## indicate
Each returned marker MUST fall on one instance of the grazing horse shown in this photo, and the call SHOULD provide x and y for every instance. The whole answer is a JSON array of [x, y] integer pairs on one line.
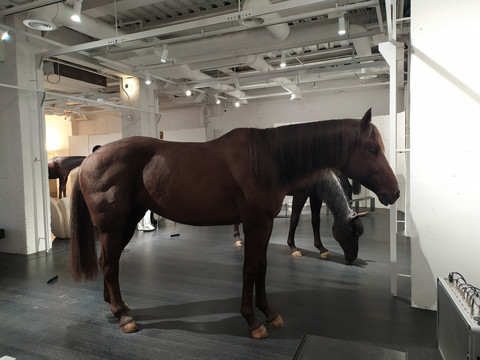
[[334, 189], [59, 167], [242, 176]]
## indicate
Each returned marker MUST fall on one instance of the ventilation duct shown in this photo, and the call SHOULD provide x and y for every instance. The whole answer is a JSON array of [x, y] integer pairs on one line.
[[279, 31]]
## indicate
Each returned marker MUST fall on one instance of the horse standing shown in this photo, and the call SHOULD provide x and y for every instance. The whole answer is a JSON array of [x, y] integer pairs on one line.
[[242, 176], [59, 167]]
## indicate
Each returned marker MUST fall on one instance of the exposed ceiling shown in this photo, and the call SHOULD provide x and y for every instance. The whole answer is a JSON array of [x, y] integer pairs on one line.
[[226, 49]]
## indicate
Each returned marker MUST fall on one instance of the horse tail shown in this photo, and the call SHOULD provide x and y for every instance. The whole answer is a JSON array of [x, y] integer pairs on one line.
[[83, 257]]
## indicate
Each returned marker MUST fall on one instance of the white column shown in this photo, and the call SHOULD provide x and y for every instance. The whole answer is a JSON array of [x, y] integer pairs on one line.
[[23, 210], [141, 117]]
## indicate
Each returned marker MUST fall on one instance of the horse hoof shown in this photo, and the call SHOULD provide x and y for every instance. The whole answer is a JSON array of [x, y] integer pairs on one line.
[[296, 253], [277, 322], [260, 333], [238, 243], [128, 324], [325, 255]]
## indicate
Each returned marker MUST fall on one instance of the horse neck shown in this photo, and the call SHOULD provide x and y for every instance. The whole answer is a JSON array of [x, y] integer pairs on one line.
[[332, 193]]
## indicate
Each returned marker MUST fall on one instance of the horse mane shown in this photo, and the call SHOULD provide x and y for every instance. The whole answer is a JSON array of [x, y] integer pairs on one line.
[[281, 155], [330, 190]]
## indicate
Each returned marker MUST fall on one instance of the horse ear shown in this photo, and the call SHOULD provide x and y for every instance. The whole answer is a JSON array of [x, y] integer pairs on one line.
[[359, 215], [366, 120]]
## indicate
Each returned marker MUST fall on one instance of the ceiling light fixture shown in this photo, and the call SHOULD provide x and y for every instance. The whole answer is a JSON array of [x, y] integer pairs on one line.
[[163, 59], [283, 61], [237, 103], [5, 36], [148, 81], [77, 9], [188, 92], [341, 25], [217, 100]]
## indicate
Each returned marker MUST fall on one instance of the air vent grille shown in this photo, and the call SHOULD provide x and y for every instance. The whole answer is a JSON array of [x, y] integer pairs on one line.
[[39, 25], [253, 21]]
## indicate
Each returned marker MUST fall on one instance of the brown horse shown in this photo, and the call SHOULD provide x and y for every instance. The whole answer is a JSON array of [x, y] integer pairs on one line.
[[59, 167], [242, 176]]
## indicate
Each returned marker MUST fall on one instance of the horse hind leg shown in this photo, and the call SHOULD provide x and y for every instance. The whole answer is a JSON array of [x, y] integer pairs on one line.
[[112, 247]]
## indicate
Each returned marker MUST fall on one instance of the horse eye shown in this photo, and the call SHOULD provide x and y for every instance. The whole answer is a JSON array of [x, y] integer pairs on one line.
[[374, 151]]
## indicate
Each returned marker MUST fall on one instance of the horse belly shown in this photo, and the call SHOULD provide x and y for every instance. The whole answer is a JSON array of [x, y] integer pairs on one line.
[[194, 208], [199, 194]]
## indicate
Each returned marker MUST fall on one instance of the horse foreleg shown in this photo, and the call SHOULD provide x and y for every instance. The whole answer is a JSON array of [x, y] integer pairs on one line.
[[273, 318], [62, 186], [297, 205], [254, 271], [315, 207]]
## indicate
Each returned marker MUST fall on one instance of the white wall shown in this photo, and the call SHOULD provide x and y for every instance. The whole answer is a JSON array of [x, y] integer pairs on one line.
[[445, 123], [276, 111], [320, 106], [82, 145], [58, 129]]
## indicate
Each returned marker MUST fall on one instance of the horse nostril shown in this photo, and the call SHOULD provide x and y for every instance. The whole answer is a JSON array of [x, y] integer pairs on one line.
[[397, 194]]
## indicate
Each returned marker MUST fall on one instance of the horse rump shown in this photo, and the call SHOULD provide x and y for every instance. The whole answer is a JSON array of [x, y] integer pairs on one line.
[[83, 255]]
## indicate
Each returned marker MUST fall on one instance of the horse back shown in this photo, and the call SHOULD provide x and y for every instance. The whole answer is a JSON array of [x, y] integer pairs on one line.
[[180, 181]]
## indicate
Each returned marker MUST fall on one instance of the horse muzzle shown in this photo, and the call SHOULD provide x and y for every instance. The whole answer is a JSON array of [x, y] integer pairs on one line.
[[350, 259], [389, 199]]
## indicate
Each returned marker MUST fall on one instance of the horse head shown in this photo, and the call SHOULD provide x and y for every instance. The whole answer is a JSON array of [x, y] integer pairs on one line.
[[368, 164], [347, 235]]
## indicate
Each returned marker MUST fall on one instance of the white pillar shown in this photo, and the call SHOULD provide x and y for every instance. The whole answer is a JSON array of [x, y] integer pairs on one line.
[[135, 94], [23, 210]]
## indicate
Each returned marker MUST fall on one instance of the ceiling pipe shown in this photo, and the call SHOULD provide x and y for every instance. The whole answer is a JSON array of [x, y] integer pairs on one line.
[[59, 14], [279, 31], [193, 73], [258, 40], [184, 72]]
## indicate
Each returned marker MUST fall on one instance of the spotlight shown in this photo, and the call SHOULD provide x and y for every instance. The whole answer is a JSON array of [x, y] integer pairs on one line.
[[237, 103], [283, 61], [188, 92], [341, 25], [164, 54], [77, 9], [217, 100], [5, 36], [148, 81]]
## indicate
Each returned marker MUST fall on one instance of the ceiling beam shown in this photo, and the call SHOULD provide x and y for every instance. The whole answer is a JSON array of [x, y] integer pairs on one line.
[[202, 23]]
